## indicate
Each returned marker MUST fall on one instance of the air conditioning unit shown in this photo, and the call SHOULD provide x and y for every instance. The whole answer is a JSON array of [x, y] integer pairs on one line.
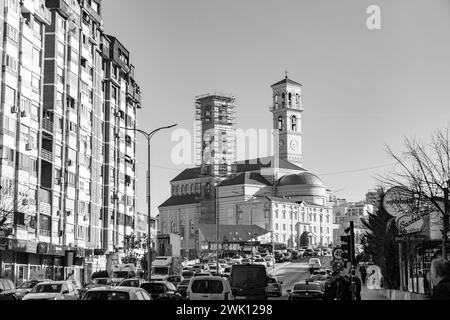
[[69, 163], [25, 202], [68, 212], [28, 147], [86, 218], [60, 181], [60, 233], [23, 114], [58, 213], [14, 109], [116, 114]]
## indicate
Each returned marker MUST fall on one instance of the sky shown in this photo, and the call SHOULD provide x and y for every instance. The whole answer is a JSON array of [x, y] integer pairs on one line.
[[362, 89]]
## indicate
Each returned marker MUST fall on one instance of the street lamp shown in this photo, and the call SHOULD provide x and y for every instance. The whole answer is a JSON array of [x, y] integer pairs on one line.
[[148, 136]]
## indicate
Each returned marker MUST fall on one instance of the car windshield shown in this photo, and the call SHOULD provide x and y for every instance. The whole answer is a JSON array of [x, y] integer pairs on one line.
[[307, 287], [130, 283], [106, 295], [207, 286], [153, 287], [187, 273], [27, 285], [47, 288], [100, 281]]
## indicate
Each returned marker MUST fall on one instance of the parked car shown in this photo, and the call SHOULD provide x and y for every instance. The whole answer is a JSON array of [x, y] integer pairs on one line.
[[117, 293], [274, 287], [260, 261], [306, 290], [161, 290], [295, 254], [246, 260], [288, 256], [226, 271], [7, 290], [301, 252], [54, 290], [209, 288], [25, 288], [310, 253], [175, 279], [279, 257], [132, 282], [249, 281], [270, 261], [314, 264], [182, 288], [236, 259]]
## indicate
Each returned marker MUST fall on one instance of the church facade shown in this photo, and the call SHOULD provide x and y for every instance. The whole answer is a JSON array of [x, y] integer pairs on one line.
[[275, 194]]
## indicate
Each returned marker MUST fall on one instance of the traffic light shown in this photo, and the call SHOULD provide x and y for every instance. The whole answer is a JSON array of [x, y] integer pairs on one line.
[[348, 244]]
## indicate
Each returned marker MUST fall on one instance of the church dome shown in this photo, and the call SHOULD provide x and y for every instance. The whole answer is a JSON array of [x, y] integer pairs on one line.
[[304, 178]]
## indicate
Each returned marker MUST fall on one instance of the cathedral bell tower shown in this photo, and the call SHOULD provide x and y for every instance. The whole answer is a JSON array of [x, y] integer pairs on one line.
[[287, 120]]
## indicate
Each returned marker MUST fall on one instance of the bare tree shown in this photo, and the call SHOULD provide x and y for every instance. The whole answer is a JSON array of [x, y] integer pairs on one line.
[[13, 207], [424, 170]]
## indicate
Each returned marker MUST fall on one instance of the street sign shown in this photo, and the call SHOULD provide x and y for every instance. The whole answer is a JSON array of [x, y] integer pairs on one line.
[[399, 201], [337, 253], [338, 266]]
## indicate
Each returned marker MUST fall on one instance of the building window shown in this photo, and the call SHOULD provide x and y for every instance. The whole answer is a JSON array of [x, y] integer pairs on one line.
[[192, 232], [284, 227], [290, 99], [283, 99], [294, 123], [276, 226], [280, 123], [284, 214], [315, 229], [182, 229], [276, 214], [297, 100], [327, 218]]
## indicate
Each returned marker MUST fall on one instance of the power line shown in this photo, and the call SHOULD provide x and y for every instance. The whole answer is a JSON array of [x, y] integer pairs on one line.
[[355, 170]]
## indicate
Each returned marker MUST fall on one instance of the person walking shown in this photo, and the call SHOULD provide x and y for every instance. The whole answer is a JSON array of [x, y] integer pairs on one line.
[[440, 278], [363, 272], [356, 282], [343, 288], [331, 287]]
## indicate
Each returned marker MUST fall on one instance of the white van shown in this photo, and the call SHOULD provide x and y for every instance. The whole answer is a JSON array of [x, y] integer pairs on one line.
[[209, 288]]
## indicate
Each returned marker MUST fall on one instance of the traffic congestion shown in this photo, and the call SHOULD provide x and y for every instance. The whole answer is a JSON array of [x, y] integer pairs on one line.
[[288, 274]]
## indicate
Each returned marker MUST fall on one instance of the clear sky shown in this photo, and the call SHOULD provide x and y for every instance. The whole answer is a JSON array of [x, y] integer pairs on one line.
[[362, 89]]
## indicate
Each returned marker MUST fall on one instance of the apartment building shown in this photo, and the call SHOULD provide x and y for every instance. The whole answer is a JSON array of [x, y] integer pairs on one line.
[[69, 102]]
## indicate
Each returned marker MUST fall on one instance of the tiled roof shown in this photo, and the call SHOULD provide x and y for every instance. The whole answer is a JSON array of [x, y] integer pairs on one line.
[[287, 81], [231, 233], [188, 174], [246, 178], [241, 166], [180, 200]]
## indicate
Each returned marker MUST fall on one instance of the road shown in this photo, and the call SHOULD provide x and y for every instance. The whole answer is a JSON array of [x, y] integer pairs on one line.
[[291, 272]]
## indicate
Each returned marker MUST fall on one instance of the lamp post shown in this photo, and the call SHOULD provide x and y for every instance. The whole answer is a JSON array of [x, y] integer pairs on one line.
[[148, 136]]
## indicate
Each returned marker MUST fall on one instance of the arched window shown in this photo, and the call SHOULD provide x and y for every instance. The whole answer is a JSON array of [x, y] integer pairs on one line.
[[208, 189], [283, 99], [182, 189], [178, 190], [173, 190], [192, 188], [290, 99], [173, 227], [294, 123], [182, 229], [280, 123], [297, 100], [163, 227], [275, 101], [192, 230]]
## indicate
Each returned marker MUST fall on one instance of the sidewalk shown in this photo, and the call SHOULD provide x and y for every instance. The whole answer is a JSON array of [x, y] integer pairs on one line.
[[367, 294]]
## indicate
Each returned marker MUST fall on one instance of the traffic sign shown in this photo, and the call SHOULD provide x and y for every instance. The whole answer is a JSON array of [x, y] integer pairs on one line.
[[337, 253], [338, 266]]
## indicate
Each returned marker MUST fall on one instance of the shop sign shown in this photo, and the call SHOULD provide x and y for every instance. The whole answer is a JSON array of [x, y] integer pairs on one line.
[[408, 224], [51, 249], [5, 244], [42, 248], [99, 252], [399, 201], [23, 246], [31, 247], [59, 250], [22, 234]]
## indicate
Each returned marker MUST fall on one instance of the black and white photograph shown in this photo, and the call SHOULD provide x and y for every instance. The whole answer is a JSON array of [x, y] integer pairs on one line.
[[247, 152]]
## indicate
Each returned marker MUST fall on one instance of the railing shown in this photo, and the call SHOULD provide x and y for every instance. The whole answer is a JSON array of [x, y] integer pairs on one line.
[[47, 125], [47, 155], [45, 233]]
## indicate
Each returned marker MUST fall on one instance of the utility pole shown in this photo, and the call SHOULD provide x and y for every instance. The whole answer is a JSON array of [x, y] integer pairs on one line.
[[445, 222]]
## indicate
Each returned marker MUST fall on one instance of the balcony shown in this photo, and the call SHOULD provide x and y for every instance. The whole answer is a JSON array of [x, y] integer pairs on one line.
[[47, 155], [47, 125], [45, 233]]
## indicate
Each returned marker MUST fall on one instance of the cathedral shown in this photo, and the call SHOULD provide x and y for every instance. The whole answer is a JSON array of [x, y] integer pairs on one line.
[[270, 200]]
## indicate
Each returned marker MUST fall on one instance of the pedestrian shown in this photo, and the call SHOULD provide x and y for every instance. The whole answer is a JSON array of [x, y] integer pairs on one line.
[[363, 272], [440, 278], [331, 287], [343, 288], [356, 282]]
